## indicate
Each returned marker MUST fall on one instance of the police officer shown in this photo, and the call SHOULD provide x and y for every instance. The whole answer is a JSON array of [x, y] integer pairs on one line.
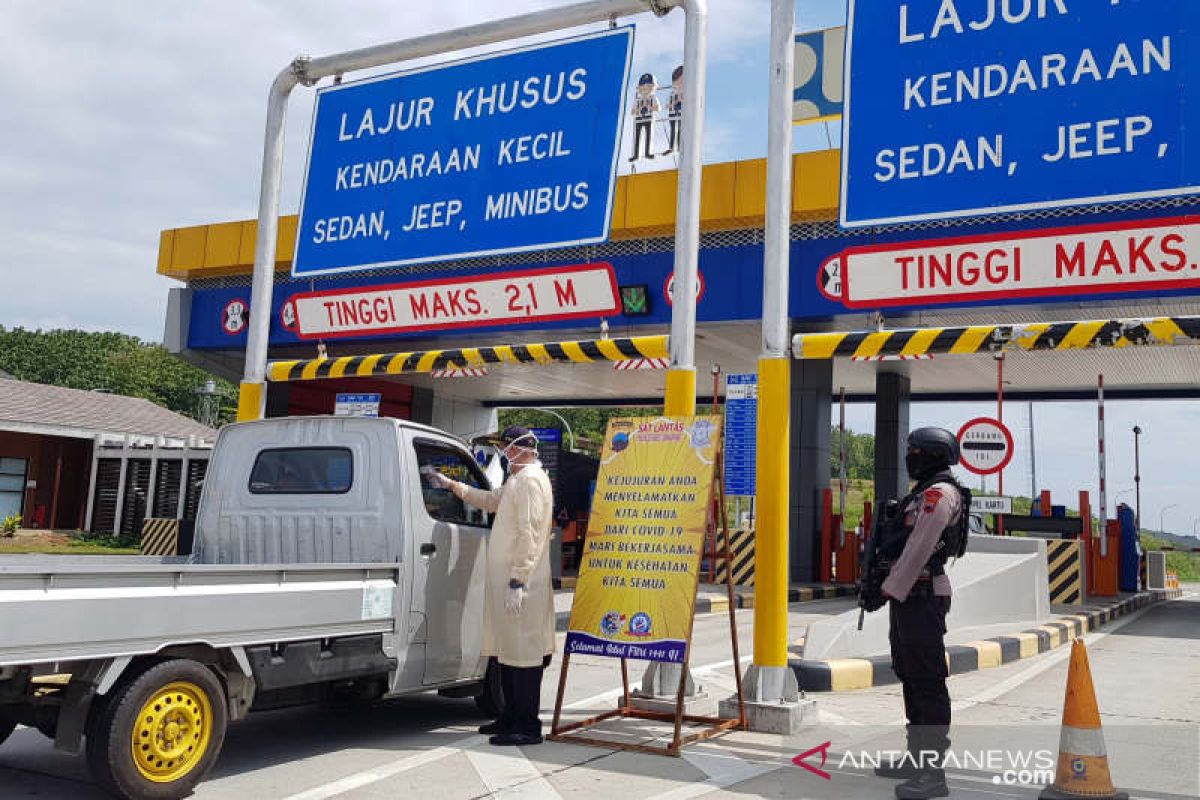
[[918, 592]]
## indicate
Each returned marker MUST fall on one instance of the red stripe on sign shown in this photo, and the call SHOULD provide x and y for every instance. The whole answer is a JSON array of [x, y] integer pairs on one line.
[[1133, 256], [546, 294]]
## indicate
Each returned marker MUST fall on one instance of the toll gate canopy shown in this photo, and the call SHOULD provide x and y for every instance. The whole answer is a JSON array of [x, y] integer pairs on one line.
[[1124, 261]]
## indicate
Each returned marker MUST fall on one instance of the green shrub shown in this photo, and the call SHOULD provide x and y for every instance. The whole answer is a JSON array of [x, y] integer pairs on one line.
[[106, 540]]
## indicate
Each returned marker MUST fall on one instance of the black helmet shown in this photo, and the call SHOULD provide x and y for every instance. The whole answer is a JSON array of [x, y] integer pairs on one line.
[[931, 450], [936, 440]]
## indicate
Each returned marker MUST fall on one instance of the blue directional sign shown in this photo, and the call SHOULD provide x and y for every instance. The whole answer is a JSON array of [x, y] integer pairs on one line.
[[496, 154], [964, 108], [741, 434]]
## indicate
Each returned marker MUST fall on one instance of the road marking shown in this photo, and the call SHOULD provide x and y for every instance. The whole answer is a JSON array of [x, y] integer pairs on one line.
[[381, 773], [507, 773], [722, 770], [833, 718]]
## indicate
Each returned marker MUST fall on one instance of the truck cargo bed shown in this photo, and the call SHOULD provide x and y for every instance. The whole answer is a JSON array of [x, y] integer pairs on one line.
[[68, 609]]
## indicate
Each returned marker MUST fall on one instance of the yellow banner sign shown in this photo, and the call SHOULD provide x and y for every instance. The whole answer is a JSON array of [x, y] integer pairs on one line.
[[637, 583]]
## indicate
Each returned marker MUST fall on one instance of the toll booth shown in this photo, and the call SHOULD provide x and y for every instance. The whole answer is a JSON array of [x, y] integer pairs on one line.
[[882, 343]]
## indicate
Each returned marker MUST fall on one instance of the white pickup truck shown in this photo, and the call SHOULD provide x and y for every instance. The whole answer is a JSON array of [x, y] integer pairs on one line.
[[325, 567]]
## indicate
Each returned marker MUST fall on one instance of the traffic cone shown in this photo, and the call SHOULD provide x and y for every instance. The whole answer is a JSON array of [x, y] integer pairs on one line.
[[1082, 759]]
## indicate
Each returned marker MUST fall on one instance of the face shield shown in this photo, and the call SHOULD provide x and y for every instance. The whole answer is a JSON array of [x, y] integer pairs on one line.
[[514, 449]]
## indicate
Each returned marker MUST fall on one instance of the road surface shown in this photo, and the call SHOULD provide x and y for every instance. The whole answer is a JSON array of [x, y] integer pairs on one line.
[[1145, 666]]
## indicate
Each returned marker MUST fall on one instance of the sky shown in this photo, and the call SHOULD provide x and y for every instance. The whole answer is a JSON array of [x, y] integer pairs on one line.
[[123, 118]]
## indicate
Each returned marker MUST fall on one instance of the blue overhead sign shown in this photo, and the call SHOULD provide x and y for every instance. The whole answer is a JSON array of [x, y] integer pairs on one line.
[[741, 434], [981, 106], [499, 153]]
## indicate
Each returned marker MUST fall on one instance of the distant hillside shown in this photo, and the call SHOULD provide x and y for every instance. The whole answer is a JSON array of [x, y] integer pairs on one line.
[[1180, 542]]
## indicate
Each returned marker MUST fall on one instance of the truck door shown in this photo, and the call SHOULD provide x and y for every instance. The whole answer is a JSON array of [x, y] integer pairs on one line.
[[450, 560]]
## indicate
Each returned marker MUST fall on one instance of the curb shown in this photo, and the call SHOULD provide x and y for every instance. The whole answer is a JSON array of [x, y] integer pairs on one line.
[[845, 674], [707, 604]]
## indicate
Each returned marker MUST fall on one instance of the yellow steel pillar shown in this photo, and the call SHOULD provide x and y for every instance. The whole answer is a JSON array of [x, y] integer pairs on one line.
[[250, 401], [681, 392], [771, 532], [771, 685]]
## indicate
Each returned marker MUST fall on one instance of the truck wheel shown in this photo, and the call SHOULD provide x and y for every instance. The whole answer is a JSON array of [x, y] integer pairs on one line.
[[7, 726], [491, 700], [156, 736]]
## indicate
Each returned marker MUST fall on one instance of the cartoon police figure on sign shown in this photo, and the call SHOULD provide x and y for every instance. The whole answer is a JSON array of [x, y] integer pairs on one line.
[[674, 110], [645, 106]]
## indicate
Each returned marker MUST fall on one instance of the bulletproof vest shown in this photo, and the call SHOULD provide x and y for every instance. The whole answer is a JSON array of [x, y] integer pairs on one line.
[[894, 532]]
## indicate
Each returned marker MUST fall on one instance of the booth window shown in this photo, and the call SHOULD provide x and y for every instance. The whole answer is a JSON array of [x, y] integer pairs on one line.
[[441, 504], [302, 470]]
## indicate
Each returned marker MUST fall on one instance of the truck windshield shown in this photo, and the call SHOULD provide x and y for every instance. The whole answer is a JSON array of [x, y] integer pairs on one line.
[[302, 470]]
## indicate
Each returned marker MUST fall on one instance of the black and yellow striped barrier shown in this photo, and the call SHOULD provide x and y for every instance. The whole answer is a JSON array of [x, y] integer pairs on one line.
[[911, 342], [160, 537], [574, 352], [1064, 561], [741, 544]]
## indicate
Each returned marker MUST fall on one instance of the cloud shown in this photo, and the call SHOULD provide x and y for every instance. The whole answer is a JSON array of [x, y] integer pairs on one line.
[[122, 119]]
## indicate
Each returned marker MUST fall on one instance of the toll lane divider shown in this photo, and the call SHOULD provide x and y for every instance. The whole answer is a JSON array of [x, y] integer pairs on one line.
[[584, 351], [160, 537], [716, 602], [1064, 559], [741, 544], [845, 674], [1057, 336]]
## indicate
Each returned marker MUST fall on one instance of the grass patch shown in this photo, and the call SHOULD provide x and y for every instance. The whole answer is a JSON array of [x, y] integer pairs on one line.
[[57, 543], [1186, 565]]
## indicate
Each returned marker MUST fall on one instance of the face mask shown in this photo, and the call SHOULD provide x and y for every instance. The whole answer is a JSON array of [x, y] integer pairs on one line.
[[921, 465]]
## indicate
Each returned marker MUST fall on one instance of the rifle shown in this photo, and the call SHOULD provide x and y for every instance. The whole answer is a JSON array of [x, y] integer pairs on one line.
[[874, 568]]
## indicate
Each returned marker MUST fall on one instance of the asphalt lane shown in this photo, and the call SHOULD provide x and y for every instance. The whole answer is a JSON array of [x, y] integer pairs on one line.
[[1145, 667]]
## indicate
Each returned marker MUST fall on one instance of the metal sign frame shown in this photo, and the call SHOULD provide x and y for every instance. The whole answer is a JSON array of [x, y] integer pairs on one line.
[[681, 380], [710, 726]]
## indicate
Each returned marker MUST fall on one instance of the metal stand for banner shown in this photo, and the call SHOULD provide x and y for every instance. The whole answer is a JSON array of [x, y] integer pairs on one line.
[[714, 725]]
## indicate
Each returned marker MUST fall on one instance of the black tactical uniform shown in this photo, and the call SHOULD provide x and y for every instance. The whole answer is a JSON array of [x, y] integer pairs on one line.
[[918, 593]]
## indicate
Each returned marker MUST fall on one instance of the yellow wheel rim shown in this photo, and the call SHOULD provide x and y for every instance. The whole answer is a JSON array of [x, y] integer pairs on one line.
[[171, 734]]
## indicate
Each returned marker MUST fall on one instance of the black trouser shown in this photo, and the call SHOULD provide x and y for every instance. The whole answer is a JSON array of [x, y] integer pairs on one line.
[[673, 131], [918, 628], [639, 128], [522, 687]]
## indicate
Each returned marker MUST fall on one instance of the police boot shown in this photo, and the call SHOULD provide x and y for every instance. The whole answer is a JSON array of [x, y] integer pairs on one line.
[[925, 784]]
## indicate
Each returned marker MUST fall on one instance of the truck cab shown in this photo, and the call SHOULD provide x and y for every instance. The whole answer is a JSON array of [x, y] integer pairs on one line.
[[350, 490]]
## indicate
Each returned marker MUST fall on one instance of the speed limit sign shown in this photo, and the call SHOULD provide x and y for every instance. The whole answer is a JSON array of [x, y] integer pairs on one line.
[[985, 445]]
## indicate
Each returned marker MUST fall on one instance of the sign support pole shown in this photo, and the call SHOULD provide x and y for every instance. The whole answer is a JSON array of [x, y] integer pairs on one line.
[[770, 679], [1102, 496], [680, 399], [843, 483], [306, 70], [1000, 419]]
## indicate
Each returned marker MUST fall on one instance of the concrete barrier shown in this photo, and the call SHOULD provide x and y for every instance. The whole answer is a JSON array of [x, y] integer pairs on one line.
[[1000, 585]]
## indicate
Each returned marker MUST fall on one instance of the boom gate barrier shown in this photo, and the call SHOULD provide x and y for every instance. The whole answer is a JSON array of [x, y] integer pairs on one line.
[[424, 361]]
